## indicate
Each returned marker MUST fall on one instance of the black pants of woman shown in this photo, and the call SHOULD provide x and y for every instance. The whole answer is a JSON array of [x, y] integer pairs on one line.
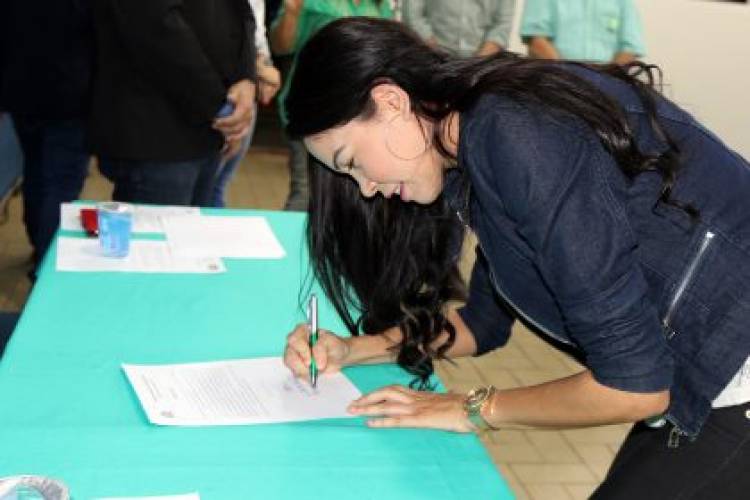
[[715, 466]]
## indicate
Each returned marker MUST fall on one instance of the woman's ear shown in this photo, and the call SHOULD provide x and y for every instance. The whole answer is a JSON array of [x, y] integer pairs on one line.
[[390, 99]]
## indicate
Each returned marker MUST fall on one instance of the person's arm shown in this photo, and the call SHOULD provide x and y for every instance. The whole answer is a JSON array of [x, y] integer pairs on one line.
[[261, 35], [481, 325], [269, 78], [575, 401], [284, 29], [415, 16], [630, 45], [542, 48], [538, 29], [242, 90], [497, 35], [585, 252], [624, 57], [333, 352]]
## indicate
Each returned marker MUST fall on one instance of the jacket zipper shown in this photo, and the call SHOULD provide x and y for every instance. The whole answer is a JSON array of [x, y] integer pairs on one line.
[[686, 279], [673, 440]]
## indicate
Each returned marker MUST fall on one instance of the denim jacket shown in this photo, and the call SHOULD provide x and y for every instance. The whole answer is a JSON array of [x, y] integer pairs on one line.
[[652, 299]]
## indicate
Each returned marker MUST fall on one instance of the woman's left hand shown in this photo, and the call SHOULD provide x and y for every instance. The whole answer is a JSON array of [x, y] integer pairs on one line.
[[398, 406]]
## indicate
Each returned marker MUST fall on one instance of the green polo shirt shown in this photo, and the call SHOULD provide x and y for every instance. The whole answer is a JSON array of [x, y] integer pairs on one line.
[[585, 30], [317, 13]]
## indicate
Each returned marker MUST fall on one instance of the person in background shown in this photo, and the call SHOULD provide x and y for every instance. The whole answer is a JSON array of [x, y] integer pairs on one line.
[[269, 82], [46, 61], [467, 28], [607, 218], [175, 89], [297, 21], [603, 31]]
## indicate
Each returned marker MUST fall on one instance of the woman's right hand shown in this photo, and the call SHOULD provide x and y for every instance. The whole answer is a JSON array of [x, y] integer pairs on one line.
[[331, 351]]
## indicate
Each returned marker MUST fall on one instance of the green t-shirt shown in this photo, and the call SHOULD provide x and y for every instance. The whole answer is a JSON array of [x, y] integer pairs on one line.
[[317, 13]]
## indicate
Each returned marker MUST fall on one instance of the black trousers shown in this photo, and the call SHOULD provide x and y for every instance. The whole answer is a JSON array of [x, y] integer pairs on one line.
[[189, 183], [716, 466], [55, 167]]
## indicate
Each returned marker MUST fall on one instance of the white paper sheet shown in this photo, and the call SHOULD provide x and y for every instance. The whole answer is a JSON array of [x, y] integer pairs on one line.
[[187, 496], [146, 219], [145, 256], [222, 236], [237, 392]]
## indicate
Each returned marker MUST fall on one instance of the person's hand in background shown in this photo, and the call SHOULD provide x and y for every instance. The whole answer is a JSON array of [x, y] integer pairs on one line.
[[237, 125], [269, 80]]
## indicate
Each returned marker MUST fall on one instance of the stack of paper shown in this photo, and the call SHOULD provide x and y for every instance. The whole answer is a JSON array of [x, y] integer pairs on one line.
[[221, 236], [145, 256], [194, 243]]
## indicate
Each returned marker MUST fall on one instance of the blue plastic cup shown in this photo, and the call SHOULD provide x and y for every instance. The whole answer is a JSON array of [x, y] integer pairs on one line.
[[115, 228]]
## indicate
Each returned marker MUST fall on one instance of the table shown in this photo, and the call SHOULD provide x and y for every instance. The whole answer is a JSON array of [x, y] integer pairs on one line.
[[67, 411]]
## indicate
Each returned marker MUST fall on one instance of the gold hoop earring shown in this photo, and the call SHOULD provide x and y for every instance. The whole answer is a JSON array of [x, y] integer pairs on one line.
[[390, 148]]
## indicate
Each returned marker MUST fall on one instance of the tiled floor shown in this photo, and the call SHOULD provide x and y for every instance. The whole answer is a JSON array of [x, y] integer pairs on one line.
[[539, 465]]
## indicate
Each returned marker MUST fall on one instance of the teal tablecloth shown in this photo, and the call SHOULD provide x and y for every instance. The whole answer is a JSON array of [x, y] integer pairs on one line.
[[67, 411]]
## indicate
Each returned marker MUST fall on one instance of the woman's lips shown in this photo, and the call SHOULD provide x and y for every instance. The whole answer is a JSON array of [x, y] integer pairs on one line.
[[402, 192]]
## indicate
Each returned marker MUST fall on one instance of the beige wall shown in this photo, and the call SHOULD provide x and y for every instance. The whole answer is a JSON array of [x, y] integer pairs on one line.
[[703, 47]]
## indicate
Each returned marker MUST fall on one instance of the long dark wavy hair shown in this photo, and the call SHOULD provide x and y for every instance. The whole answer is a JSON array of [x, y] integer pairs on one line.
[[388, 263]]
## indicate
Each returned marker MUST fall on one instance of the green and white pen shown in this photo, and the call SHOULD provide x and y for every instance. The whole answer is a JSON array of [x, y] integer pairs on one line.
[[312, 319]]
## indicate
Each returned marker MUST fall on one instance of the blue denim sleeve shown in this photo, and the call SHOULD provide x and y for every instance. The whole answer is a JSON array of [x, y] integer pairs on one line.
[[486, 316], [558, 191]]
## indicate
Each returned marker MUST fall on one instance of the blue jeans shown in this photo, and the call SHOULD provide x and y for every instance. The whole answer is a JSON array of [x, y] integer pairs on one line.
[[189, 182], [226, 170], [55, 166]]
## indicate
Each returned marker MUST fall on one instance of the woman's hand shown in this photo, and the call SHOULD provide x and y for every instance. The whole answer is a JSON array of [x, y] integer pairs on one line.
[[331, 352], [398, 406]]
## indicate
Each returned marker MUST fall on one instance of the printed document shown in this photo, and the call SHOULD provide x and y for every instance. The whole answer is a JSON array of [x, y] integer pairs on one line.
[[146, 218], [222, 236], [237, 392], [145, 256]]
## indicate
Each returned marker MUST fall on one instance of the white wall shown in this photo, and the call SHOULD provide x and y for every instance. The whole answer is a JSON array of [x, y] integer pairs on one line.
[[704, 50], [703, 47]]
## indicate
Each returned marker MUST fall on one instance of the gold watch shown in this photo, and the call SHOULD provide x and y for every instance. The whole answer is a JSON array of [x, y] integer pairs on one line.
[[475, 402]]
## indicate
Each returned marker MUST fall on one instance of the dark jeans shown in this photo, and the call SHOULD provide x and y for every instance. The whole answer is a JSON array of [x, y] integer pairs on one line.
[[55, 167], [714, 466], [188, 182]]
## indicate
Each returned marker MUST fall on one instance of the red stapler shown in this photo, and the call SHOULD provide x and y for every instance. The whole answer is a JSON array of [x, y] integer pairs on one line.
[[90, 221]]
